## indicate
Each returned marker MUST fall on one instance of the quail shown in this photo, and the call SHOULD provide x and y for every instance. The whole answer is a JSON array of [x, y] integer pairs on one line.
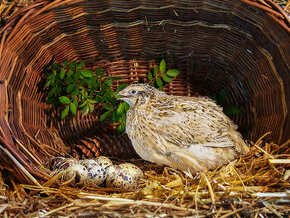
[[191, 134]]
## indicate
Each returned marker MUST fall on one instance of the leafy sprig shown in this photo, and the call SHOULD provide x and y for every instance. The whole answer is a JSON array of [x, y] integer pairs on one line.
[[77, 88], [74, 88], [228, 109], [160, 75]]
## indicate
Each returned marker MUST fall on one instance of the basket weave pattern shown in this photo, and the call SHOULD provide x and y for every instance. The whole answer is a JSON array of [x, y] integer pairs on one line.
[[241, 46]]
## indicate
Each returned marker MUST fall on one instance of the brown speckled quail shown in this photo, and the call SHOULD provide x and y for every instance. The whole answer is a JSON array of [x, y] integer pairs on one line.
[[187, 133]]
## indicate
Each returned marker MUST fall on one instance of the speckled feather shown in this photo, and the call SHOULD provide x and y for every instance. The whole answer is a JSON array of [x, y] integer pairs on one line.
[[188, 133]]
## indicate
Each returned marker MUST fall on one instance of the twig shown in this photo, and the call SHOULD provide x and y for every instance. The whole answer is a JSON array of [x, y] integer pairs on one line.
[[272, 209], [232, 213], [38, 144], [57, 209], [269, 155], [137, 202], [28, 152], [4, 206], [21, 167], [210, 190], [233, 207], [279, 161], [271, 194]]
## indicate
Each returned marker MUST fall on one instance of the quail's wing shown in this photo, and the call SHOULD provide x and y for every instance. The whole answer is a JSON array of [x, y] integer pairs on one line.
[[186, 121]]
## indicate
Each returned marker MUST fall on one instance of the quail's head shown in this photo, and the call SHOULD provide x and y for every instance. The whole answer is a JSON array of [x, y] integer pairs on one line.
[[137, 92]]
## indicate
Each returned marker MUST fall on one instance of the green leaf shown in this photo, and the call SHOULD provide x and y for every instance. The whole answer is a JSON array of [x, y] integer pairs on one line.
[[75, 92], [222, 96], [69, 73], [72, 65], [166, 78], [92, 82], [91, 107], [149, 76], [122, 128], [108, 107], [152, 83], [98, 71], [231, 110], [47, 84], [159, 83], [108, 81], [108, 92], [121, 87], [126, 106], [65, 112], [214, 97], [80, 64], [87, 73], [85, 110], [100, 99], [73, 108], [76, 102], [70, 88], [64, 100], [155, 70], [51, 76], [162, 66], [92, 101], [111, 100], [173, 72], [114, 117], [62, 74], [50, 101], [54, 90], [65, 63], [104, 116], [54, 66], [83, 81], [101, 76], [77, 75], [68, 80], [84, 103], [121, 109]]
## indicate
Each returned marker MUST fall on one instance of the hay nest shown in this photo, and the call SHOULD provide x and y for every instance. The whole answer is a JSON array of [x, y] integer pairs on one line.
[[241, 46], [257, 184]]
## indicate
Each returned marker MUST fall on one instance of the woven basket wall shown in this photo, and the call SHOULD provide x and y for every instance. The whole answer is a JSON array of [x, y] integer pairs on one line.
[[241, 46]]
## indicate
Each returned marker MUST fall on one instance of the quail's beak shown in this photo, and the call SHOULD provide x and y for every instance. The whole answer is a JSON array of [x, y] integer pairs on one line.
[[126, 96], [123, 94]]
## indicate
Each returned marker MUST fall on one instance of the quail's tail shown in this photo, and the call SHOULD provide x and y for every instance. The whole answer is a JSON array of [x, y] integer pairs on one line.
[[240, 145]]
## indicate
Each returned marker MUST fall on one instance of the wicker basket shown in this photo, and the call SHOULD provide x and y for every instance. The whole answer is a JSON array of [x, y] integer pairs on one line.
[[241, 46]]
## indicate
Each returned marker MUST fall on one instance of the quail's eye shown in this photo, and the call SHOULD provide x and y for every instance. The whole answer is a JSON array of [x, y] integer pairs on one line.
[[134, 92]]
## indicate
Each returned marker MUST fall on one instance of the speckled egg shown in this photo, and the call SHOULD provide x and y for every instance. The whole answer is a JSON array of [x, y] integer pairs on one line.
[[123, 176], [104, 161], [77, 173], [87, 163], [61, 163], [96, 174]]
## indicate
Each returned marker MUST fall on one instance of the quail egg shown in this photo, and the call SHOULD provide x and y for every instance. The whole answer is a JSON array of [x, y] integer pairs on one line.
[[75, 174], [88, 163], [96, 174], [104, 161], [61, 163], [125, 176]]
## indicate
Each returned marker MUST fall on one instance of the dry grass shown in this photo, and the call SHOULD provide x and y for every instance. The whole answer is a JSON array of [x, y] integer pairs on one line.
[[7, 8], [256, 184]]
